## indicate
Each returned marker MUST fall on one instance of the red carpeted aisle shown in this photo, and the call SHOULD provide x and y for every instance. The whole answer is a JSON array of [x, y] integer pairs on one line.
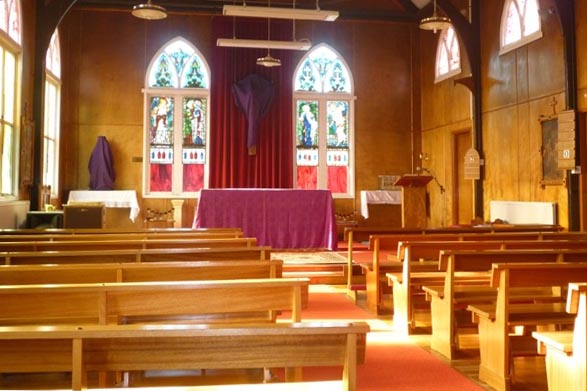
[[392, 362]]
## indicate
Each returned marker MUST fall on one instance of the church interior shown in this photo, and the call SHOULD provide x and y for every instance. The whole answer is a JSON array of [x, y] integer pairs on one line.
[[378, 179]]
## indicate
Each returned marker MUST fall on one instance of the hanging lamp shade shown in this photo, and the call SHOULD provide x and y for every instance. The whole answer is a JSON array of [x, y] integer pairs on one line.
[[149, 11], [268, 61], [435, 22]]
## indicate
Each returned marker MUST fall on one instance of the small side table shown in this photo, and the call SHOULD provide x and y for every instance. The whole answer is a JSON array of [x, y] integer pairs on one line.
[[43, 219]]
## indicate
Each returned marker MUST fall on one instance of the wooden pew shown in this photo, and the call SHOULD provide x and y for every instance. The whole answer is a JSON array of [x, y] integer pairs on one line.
[[375, 273], [566, 351], [246, 300], [407, 292], [376, 280], [496, 320], [353, 235], [143, 271], [375, 276], [137, 272], [466, 280], [83, 349], [85, 235], [147, 255], [124, 243]]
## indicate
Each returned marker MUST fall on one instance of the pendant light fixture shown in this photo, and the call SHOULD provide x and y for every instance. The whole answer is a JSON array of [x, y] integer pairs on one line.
[[435, 22], [149, 11], [268, 61]]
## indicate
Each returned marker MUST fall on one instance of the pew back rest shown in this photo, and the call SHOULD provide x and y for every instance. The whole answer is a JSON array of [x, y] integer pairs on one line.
[[391, 242], [103, 303], [576, 290], [135, 272], [136, 255], [115, 234], [124, 243], [472, 260], [430, 250], [539, 274]]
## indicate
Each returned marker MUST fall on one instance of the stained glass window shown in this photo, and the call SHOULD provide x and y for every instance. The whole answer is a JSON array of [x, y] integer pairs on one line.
[[51, 128], [177, 89], [323, 131], [448, 55], [9, 98], [323, 71], [520, 24]]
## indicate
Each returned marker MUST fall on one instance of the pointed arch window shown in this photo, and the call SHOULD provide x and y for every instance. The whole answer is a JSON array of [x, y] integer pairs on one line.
[[176, 122], [324, 123], [52, 125], [448, 55], [520, 24], [10, 19], [10, 79]]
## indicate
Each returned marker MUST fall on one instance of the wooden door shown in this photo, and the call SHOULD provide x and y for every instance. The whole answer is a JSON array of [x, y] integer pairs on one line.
[[463, 202]]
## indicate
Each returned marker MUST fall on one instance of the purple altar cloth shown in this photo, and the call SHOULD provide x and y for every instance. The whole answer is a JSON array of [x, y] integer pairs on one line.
[[280, 218]]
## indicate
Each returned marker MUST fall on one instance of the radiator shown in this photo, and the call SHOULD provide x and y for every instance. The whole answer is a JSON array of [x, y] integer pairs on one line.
[[523, 212]]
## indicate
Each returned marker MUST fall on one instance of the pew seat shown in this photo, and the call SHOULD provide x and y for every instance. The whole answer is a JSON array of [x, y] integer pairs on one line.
[[448, 304], [498, 345], [566, 351]]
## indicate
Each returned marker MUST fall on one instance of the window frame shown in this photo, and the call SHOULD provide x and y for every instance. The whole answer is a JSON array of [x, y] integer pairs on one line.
[[178, 93], [524, 39], [323, 98], [52, 79], [441, 45], [12, 45]]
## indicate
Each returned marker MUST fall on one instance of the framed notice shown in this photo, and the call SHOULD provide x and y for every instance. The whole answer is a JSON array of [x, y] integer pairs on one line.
[[551, 174]]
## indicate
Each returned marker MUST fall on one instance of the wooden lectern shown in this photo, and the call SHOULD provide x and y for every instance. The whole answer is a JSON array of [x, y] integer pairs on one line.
[[413, 199]]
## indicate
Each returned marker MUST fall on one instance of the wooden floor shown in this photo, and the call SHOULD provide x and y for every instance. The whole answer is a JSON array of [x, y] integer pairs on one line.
[[529, 372]]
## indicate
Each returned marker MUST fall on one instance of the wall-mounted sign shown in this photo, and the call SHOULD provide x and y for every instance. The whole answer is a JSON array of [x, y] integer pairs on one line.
[[472, 164], [566, 140]]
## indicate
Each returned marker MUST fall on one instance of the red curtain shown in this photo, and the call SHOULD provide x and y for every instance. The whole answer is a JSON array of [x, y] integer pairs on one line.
[[230, 162]]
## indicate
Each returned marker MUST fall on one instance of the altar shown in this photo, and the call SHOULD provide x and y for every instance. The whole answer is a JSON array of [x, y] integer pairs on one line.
[[280, 218]]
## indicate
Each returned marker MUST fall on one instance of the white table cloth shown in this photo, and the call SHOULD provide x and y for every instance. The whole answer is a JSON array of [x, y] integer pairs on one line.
[[392, 197], [110, 199]]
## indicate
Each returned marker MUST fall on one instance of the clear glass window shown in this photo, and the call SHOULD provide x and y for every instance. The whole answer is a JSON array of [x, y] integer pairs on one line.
[[51, 128], [520, 24], [448, 55], [10, 51]]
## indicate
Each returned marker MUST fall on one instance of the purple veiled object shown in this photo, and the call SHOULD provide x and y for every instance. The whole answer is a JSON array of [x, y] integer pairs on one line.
[[253, 96], [101, 166]]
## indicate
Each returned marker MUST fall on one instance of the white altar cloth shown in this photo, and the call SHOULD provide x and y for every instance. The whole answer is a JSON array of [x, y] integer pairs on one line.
[[392, 197], [110, 199]]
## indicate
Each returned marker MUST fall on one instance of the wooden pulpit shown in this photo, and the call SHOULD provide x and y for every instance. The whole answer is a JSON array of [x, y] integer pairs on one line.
[[413, 199]]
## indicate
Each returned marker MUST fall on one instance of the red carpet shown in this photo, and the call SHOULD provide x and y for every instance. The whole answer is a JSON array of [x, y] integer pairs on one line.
[[392, 362]]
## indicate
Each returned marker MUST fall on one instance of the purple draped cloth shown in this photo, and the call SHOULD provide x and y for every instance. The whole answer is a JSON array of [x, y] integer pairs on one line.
[[253, 96], [101, 166]]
